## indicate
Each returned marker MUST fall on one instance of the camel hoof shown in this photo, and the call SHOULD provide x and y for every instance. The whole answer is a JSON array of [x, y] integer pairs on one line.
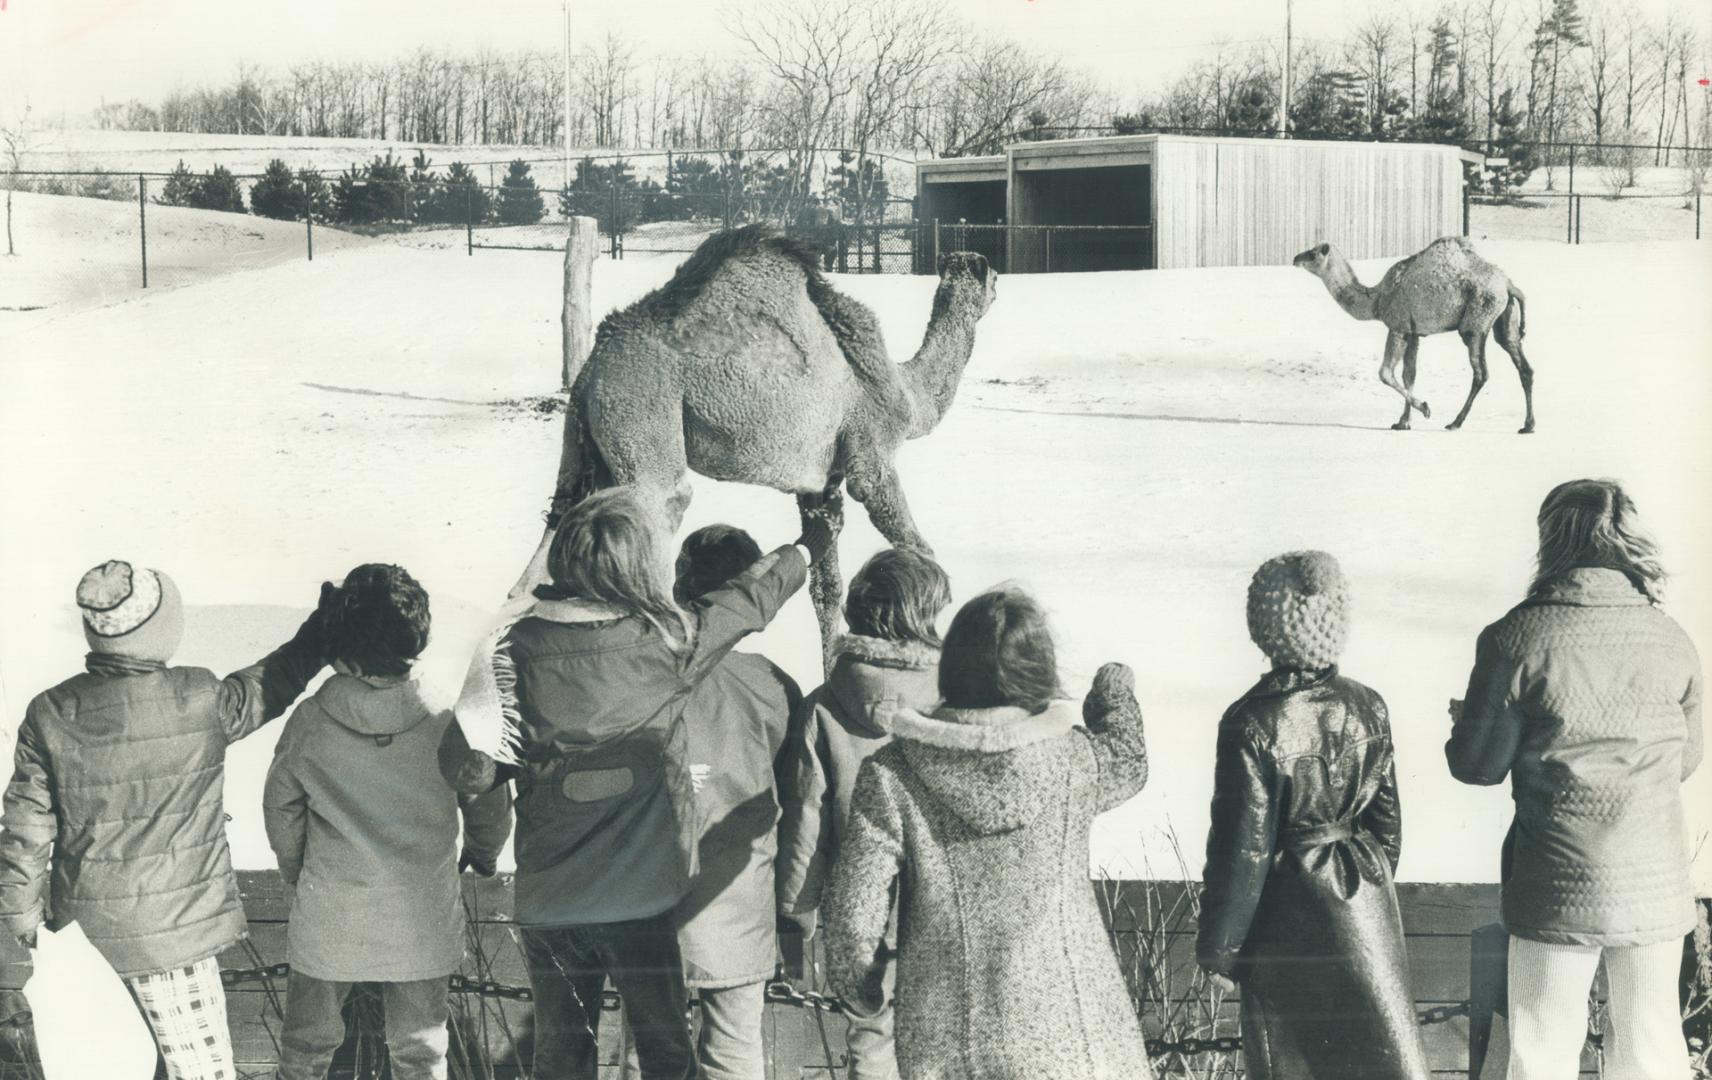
[[1528, 430], [1401, 425], [1425, 411], [1453, 425]]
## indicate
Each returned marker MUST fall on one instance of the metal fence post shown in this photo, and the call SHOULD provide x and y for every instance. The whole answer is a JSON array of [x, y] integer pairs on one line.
[[1696, 213], [935, 268], [1572, 168], [1048, 250], [1465, 204], [143, 223], [309, 221], [1578, 219], [1569, 219], [616, 223], [469, 219]]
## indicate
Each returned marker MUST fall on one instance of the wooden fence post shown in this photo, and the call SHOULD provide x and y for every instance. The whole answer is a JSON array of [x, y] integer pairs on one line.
[[577, 318], [309, 220]]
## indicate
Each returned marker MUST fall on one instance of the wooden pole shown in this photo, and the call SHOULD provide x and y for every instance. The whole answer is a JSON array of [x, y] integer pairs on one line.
[[1284, 91], [469, 219], [143, 223], [309, 220], [577, 318]]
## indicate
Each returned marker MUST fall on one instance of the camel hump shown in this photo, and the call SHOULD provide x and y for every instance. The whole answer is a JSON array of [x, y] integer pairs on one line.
[[697, 274]]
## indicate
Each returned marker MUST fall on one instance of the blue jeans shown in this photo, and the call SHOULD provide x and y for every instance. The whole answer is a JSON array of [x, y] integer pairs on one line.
[[568, 966], [416, 1035]]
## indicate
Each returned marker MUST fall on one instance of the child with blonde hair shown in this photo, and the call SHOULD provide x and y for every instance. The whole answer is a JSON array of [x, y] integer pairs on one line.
[[580, 697]]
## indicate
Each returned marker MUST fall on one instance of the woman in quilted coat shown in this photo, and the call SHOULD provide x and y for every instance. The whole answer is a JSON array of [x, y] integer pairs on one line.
[[1588, 697], [980, 814], [1298, 904]]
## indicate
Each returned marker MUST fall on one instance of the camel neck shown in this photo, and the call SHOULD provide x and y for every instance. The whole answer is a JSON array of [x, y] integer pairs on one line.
[[933, 373], [1354, 297]]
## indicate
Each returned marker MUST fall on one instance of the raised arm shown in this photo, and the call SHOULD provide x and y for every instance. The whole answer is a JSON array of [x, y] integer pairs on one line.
[[29, 827], [1239, 847], [1486, 735], [249, 698], [858, 903], [1113, 719], [747, 604]]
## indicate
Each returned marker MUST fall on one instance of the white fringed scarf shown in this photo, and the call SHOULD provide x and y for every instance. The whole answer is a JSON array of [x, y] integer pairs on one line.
[[487, 708]]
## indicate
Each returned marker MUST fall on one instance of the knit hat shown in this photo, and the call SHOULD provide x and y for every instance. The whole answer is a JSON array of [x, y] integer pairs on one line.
[[131, 611], [1298, 610]]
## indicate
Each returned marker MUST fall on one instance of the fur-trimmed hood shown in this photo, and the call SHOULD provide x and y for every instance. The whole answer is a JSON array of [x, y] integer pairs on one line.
[[870, 675], [994, 769]]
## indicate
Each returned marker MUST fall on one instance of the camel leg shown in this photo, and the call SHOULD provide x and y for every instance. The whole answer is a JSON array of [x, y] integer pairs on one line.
[[878, 490], [825, 585], [1508, 331], [1411, 350], [1476, 342], [1397, 348]]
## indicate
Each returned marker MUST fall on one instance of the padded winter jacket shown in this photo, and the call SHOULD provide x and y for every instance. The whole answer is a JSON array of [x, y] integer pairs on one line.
[[1588, 698], [118, 783], [981, 817], [735, 723], [1298, 902], [832, 735], [366, 828], [606, 818]]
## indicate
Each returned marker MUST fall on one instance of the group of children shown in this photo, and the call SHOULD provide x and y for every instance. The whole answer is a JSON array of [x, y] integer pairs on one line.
[[925, 813]]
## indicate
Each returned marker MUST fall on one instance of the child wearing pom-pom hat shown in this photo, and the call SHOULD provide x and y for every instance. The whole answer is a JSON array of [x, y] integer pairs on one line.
[[116, 798], [1298, 905]]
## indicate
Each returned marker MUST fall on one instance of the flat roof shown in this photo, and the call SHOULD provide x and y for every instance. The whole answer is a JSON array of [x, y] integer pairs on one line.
[[963, 170]]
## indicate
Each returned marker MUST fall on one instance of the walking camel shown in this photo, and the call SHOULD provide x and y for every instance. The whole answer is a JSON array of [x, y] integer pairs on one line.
[[747, 365], [1445, 286]]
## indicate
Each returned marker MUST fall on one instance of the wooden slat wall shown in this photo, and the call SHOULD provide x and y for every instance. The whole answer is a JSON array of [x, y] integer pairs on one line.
[[1253, 202], [1438, 921]]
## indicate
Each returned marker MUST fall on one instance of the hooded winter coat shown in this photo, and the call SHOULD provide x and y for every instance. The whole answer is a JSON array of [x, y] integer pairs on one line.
[[735, 721], [1588, 698], [1298, 901], [120, 773], [1004, 966], [606, 820], [834, 732], [366, 828]]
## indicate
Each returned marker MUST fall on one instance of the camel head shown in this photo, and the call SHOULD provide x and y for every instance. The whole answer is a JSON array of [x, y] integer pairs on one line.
[[1316, 260], [964, 276]]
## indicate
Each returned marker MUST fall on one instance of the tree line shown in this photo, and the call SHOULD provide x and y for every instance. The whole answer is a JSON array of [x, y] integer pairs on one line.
[[908, 76]]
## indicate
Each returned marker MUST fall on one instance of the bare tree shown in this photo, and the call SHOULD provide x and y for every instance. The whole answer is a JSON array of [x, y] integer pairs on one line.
[[1373, 48], [810, 50], [901, 43], [15, 141]]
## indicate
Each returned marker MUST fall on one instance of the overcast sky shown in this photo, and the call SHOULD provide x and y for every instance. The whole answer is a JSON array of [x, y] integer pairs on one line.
[[71, 54]]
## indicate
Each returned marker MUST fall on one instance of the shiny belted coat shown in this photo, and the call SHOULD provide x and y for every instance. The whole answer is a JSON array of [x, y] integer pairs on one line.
[[1298, 903]]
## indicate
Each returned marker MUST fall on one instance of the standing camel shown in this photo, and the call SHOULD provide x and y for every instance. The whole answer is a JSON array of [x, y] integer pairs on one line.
[[1445, 286], [747, 365]]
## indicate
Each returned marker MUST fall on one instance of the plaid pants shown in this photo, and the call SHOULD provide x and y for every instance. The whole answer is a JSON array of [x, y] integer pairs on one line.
[[186, 1009]]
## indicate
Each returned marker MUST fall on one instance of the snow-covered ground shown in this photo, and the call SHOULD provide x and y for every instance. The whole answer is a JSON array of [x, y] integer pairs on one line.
[[1129, 445]]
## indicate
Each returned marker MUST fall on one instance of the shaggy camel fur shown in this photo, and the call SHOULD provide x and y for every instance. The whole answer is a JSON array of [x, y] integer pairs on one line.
[[747, 365], [1445, 286]]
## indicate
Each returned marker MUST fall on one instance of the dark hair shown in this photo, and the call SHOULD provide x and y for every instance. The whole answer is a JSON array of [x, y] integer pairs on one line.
[[1593, 523], [378, 622], [896, 596], [710, 557], [999, 651]]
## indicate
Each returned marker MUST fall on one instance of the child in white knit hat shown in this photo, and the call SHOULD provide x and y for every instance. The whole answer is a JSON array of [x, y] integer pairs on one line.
[[1298, 904], [116, 797]]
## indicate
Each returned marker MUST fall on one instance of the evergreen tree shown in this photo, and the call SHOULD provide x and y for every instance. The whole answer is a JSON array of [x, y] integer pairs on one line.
[[1251, 109], [1131, 123], [1329, 104], [1513, 144], [218, 190], [389, 189], [312, 187], [519, 201], [179, 187], [351, 205], [425, 204], [276, 194], [461, 197]]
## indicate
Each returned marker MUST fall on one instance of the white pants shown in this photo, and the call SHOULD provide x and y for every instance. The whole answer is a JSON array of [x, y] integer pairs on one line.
[[1549, 985]]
